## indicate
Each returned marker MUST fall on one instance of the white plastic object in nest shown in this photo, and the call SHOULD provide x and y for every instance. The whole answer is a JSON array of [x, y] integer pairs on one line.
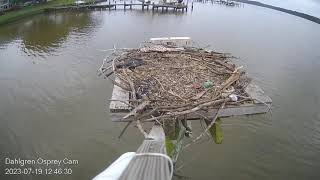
[[175, 41], [233, 97], [228, 91]]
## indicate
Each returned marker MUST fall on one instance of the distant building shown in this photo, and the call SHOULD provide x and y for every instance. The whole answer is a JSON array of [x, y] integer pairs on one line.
[[4, 4]]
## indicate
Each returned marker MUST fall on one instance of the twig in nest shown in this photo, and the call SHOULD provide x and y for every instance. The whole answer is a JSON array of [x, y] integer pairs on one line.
[[119, 85], [172, 114], [103, 69], [197, 108], [147, 114], [113, 64], [102, 65], [208, 127], [199, 95], [114, 49], [124, 102], [228, 66], [109, 74], [170, 91], [140, 107], [134, 96], [124, 129], [139, 125], [269, 106], [233, 78], [238, 102], [185, 105]]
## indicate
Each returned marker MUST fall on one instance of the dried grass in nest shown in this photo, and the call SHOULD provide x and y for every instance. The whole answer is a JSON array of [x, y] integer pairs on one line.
[[172, 79]]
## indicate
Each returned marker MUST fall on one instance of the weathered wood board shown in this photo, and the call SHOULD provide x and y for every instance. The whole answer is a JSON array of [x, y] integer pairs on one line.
[[119, 94], [261, 104], [149, 167]]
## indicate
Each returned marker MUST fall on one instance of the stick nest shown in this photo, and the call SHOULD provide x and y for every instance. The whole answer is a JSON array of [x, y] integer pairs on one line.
[[175, 80]]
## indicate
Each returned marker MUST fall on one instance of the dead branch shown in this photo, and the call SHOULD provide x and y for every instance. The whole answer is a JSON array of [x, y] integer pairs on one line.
[[139, 125], [124, 129], [139, 108], [172, 114], [208, 127], [134, 96]]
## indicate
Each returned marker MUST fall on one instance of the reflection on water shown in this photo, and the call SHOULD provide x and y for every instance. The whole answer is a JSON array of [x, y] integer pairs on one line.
[[42, 35], [56, 107]]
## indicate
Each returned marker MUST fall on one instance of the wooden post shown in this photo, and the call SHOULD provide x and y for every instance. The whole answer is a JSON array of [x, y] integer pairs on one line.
[[115, 4], [124, 5], [143, 6], [109, 5], [131, 6], [169, 128], [192, 6], [215, 130]]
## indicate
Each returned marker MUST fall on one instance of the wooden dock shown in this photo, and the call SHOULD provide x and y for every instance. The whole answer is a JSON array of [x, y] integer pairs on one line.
[[114, 5]]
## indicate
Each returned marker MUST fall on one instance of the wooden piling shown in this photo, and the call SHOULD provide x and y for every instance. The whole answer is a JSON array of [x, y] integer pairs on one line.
[[111, 5]]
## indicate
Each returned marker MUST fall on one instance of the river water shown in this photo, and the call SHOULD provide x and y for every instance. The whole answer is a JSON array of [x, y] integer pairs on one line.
[[53, 104], [311, 7]]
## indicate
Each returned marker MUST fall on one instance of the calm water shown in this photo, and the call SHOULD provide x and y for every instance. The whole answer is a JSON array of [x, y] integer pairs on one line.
[[311, 7], [53, 105]]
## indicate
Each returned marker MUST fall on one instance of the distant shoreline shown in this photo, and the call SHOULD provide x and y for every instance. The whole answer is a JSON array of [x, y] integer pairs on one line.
[[295, 13], [12, 16]]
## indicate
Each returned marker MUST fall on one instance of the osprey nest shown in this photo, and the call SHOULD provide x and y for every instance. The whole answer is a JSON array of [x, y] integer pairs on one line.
[[167, 82]]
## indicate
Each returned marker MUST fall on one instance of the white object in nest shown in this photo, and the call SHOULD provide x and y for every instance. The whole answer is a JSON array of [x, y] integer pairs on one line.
[[160, 48], [227, 92], [233, 97], [176, 41]]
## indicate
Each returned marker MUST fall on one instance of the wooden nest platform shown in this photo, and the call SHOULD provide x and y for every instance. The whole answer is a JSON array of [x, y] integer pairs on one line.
[[169, 82], [157, 82]]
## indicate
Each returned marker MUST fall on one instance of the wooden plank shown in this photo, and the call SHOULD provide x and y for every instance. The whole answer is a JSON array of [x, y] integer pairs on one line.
[[119, 94], [149, 167], [260, 105], [226, 112]]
